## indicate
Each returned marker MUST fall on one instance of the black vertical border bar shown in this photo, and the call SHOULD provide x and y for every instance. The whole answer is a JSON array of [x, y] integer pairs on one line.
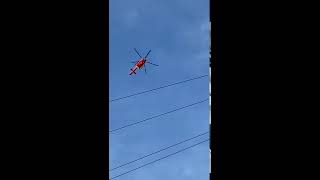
[[212, 95], [105, 48], [61, 86], [218, 89], [214, 92]]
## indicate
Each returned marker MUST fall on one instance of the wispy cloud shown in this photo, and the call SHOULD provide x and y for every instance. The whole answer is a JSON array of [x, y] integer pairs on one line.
[[131, 18], [204, 27]]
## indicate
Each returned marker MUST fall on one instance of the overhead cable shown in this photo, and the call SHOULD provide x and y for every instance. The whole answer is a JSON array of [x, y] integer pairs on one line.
[[135, 123], [158, 159], [158, 151], [157, 88]]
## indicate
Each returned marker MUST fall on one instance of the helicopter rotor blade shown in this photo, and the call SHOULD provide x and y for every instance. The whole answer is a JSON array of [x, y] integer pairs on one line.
[[152, 63], [147, 54], [145, 69], [137, 52]]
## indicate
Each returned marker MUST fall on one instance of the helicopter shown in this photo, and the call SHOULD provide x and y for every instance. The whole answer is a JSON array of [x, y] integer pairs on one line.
[[141, 63]]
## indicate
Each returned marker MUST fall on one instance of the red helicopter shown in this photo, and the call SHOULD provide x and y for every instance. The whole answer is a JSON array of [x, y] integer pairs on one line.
[[140, 63]]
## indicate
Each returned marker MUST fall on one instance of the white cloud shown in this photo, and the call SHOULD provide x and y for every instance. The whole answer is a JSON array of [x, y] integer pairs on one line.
[[203, 56], [204, 27], [187, 172]]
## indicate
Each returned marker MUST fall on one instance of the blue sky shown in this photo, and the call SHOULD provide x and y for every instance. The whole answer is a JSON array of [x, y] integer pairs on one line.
[[177, 32]]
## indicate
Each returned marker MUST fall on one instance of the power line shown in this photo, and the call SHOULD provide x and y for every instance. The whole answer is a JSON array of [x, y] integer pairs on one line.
[[157, 88], [158, 151], [158, 159], [157, 116]]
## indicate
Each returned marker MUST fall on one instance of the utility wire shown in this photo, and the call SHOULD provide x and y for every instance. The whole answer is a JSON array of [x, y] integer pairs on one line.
[[158, 151], [157, 116], [158, 159], [157, 88]]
